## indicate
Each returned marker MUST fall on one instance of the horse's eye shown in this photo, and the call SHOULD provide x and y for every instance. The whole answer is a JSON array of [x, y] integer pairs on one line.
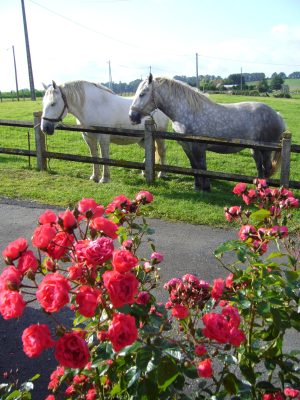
[[52, 104], [142, 94]]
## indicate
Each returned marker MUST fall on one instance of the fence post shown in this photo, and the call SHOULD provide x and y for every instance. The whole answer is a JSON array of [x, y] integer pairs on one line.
[[40, 142], [285, 159], [149, 151]]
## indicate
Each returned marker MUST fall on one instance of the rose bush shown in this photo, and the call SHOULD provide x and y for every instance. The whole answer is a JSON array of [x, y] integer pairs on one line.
[[216, 340]]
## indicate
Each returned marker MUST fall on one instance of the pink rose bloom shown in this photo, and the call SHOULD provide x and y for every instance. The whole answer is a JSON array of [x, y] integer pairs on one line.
[[291, 392], [180, 311], [48, 217], [43, 235], [144, 197], [216, 327], [123, 261], [200, 350], [36, 338], [50, 397], [91, 394], [122, 288], [108, 227], [27, 262], [120, 202], [127, 244], [232, 213], [98, 251], [240, 188], [229, 281], [247, 231], [12, 304], [204, 368], [55, 377], [192, 279], [218, 288], [232, 315], [90, 209], [143, 298], [15, 249], [157, 257], [72, 351], [122, 331], [273, 396], [87, 299], [10, 278], [68, 220], [53, 292]]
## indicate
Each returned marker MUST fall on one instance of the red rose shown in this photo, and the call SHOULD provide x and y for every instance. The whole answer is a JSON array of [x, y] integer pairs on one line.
[[68, 220], [237, 337], [87, 299], [232, 315], [216, 327], [53, 292], [27, 262], [120, 202], [55, 377], [12, 304], [15, 249], [48, 217], [180, 311], [10, 278], [89, 208], [144, 197], [122, 331], [43, 235], [36, 338], [109, 228], [291, 392], [200, 350], [239, 189], [217, 289], [72, 351], [143, 298], [124, 261], [98, 251], [204, 368], [60, 245], [122, 288]]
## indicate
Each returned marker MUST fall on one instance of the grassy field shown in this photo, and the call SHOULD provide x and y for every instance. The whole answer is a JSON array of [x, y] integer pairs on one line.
[[175, 199]]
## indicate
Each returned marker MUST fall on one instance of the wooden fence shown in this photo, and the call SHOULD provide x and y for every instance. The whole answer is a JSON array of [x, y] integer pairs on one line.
[[149, 133]]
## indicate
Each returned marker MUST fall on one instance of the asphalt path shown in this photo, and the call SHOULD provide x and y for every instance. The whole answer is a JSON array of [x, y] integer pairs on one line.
[[186, 248]]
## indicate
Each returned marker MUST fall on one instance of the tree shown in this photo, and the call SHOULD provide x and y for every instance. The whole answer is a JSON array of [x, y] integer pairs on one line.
[[276, 81], [235, 79], [263, 86]]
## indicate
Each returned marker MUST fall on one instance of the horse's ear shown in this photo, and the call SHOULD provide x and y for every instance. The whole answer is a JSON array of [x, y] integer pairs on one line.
[[54, 85], [45, 86], [150, 78]]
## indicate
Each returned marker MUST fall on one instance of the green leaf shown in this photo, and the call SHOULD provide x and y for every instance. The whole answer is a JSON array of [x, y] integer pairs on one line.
[[15, 395], [259, 216], [292, 276], [143, 357], [132, 375], [231, 383], [248, 372], [167, 372]]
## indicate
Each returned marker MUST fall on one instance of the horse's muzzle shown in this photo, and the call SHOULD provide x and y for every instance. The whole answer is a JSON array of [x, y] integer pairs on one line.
[[47, 127], [135, 117]]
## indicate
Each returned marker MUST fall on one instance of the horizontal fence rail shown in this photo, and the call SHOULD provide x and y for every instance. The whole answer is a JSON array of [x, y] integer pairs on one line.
[[149, 166]]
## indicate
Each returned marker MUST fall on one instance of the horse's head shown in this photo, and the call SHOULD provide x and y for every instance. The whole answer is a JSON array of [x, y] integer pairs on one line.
[[143, 102], [55, 108]]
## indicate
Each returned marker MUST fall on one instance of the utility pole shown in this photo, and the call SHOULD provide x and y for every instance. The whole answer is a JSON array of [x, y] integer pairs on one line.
[[109, 76], [197, 75], [241, 79], [16, 76], [30, 74]]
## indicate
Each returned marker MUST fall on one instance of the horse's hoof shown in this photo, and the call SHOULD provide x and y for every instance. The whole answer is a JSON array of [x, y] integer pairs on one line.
[[104, 180], [94, 178], [162, 175]]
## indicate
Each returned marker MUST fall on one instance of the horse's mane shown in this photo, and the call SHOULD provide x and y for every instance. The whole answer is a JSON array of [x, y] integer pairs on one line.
[[180, 89], [75, 89]]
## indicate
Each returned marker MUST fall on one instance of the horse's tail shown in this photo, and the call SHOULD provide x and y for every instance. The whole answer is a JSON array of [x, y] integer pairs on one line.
[[276, 161]]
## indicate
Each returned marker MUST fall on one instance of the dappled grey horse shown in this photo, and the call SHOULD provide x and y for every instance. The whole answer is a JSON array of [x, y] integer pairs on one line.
[[194, 113]]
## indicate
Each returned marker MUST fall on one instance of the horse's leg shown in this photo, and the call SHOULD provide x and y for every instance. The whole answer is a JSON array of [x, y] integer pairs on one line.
[[267, 163], [258, 157], [160, 146], [197, 155], [91, 141], [104, 141]]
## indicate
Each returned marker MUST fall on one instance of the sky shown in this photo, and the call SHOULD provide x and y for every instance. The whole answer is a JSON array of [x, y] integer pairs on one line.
[[80, 39]]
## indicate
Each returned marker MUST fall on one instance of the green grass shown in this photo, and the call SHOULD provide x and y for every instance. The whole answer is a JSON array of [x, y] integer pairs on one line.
[[175, 199]]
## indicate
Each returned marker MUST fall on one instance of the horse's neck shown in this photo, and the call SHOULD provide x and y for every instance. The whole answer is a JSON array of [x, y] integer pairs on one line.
[[176, 108]]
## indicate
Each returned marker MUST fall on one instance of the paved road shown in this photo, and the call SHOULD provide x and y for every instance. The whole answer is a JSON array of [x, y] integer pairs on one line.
[[187, 249]]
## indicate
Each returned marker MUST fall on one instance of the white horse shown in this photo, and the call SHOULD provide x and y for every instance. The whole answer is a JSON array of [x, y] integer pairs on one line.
[[95, 105]]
